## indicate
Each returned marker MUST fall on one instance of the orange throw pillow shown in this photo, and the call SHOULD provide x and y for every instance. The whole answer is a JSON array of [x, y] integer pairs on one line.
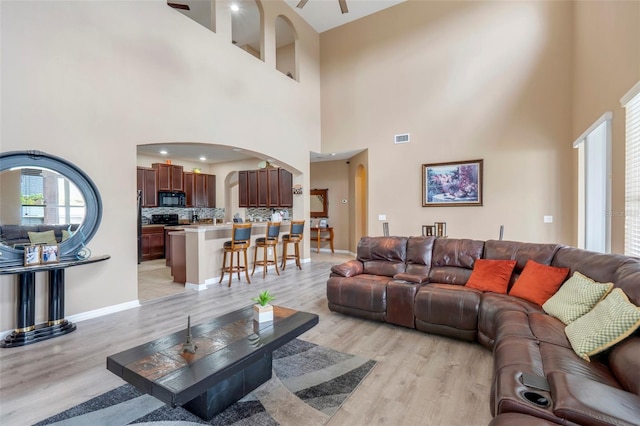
[[491, 275], [538, 282]]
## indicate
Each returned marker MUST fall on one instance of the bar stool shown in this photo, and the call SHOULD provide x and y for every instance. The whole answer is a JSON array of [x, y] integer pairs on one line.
[[240, 242], [270, 240], [294, 236]]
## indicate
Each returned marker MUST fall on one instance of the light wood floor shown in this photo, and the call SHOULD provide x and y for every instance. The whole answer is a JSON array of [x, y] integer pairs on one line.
[[420, 379]]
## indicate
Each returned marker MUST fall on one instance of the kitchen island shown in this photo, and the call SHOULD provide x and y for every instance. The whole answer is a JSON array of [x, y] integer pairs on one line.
[[197, 251]]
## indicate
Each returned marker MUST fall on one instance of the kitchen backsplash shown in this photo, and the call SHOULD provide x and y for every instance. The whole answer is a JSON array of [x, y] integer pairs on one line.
[[257, 213], [184, 213]]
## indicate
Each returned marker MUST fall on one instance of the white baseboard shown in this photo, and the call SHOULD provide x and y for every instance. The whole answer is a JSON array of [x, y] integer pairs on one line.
[[92, 314], [103, 311]]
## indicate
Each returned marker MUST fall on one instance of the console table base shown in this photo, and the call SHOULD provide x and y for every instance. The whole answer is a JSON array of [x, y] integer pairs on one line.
[[41, 332]]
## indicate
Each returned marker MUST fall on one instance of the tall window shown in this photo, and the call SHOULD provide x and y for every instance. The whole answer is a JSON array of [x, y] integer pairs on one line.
[[594, 190], [631, 103]]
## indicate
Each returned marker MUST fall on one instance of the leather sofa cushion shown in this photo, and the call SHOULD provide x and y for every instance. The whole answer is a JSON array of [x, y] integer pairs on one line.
[[627, 277], [539, 327], [597, 266], [449, 275], [449, 305], [384, 256], [520, 252], [588, 402], [363, 292], [491, 306], [624, 361], [561, 359], [419, 251], [456, 252]]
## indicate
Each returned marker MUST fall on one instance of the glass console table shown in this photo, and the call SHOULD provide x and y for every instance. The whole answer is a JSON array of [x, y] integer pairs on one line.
[[27, 331]]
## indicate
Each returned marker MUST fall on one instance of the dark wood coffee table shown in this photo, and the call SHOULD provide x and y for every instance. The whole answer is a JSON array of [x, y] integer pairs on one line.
[[233, 358]]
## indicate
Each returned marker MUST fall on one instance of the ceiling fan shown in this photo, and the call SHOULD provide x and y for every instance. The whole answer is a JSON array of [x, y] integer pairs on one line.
[[343, 5], [179, 6]]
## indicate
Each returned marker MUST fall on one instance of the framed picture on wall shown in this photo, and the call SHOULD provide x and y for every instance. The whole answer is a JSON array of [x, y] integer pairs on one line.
[[452, 184], [32, 255]]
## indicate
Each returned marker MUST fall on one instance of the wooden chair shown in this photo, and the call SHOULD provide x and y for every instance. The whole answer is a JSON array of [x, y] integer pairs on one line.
[[240, 242], [295, 237], [270, 240]]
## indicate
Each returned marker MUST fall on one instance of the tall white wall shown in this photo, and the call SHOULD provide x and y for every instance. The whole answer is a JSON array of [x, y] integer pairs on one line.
[[88, 81]]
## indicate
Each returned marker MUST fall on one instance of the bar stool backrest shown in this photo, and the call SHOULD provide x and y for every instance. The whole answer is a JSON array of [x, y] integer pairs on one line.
[[273, 230], [241, 233], [297, 228]]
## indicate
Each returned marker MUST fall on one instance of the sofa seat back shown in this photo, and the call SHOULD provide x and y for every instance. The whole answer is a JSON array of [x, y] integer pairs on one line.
[[385, 256], [19, 234], [453, 259], [419, 252], [521, 253]]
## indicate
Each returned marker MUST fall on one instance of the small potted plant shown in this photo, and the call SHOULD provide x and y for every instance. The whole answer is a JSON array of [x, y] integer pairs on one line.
[[262, 310]]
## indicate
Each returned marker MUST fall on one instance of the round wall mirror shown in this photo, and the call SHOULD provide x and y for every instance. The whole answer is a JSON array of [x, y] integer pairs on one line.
[[45, 199]]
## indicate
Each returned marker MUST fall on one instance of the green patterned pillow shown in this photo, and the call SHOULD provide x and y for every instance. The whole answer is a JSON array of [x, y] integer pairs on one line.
[[577, 296], [608, 323]]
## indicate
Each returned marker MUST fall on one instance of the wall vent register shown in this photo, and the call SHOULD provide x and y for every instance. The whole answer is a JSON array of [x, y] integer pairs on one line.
[[403, 138]]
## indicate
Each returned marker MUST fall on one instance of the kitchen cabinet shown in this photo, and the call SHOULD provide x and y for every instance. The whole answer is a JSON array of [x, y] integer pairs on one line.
[[200, 189], [169, 177], [152, 242], [265, 188], [148, 183]]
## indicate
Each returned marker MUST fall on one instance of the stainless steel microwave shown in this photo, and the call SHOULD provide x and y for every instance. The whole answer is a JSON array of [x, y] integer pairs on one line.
[[171, 199]]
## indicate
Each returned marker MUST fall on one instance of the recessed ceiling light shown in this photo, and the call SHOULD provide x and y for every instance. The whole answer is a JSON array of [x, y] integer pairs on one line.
[[164, 152], [234, 7], [203, 158], [237, 149]]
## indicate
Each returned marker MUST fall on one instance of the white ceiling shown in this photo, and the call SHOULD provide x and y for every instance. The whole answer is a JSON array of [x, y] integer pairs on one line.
[[324, 15]]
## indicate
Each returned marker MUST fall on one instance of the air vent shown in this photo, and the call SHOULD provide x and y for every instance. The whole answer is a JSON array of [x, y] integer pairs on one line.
[[403, 138]]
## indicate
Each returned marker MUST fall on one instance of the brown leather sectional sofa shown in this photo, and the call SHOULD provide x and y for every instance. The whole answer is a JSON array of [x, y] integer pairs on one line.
[[419, 282]]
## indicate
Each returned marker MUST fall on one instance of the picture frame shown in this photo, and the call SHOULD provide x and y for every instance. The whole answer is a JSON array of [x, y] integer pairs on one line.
[[32, 254], [50, 253], [452, 184]]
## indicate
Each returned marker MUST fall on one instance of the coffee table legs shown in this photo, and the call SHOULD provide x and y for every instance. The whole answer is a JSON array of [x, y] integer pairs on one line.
[[219, 397]]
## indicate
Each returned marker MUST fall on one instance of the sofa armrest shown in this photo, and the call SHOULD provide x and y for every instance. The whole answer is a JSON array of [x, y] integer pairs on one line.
[[585, 401], [412, 278], [348, 269]]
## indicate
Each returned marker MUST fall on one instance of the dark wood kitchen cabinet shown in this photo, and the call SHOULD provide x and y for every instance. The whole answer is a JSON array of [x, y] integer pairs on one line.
[[169, 177], [147, 183], [265, 188], [152, 242], [200, 189]]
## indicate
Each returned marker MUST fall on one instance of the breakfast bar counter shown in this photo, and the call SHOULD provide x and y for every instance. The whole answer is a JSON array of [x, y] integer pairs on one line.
[[197, 251]]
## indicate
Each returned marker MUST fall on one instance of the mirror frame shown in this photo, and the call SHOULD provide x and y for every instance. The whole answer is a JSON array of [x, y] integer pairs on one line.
[[93, 203], [323, 194]]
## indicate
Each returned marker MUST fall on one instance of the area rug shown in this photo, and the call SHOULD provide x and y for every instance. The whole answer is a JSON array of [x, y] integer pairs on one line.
[[308, 386]]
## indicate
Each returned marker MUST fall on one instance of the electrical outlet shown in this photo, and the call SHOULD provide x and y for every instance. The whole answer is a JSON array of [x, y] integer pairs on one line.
[[382, 217], [548, 219]]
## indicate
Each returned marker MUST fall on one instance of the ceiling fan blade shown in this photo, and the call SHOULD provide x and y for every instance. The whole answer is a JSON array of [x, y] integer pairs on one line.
[[179, 6], [301, 4], [343, 6]]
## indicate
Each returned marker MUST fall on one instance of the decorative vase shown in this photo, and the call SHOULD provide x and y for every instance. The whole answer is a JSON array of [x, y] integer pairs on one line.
[[263, 313]]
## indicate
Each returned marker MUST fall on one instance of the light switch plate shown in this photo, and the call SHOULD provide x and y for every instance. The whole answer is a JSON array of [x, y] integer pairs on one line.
[[382, 217], [548, 219]]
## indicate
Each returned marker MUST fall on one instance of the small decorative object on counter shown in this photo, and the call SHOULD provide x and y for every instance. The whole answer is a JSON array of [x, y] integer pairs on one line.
[[237, 218], [262, 310], [188, 345]]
